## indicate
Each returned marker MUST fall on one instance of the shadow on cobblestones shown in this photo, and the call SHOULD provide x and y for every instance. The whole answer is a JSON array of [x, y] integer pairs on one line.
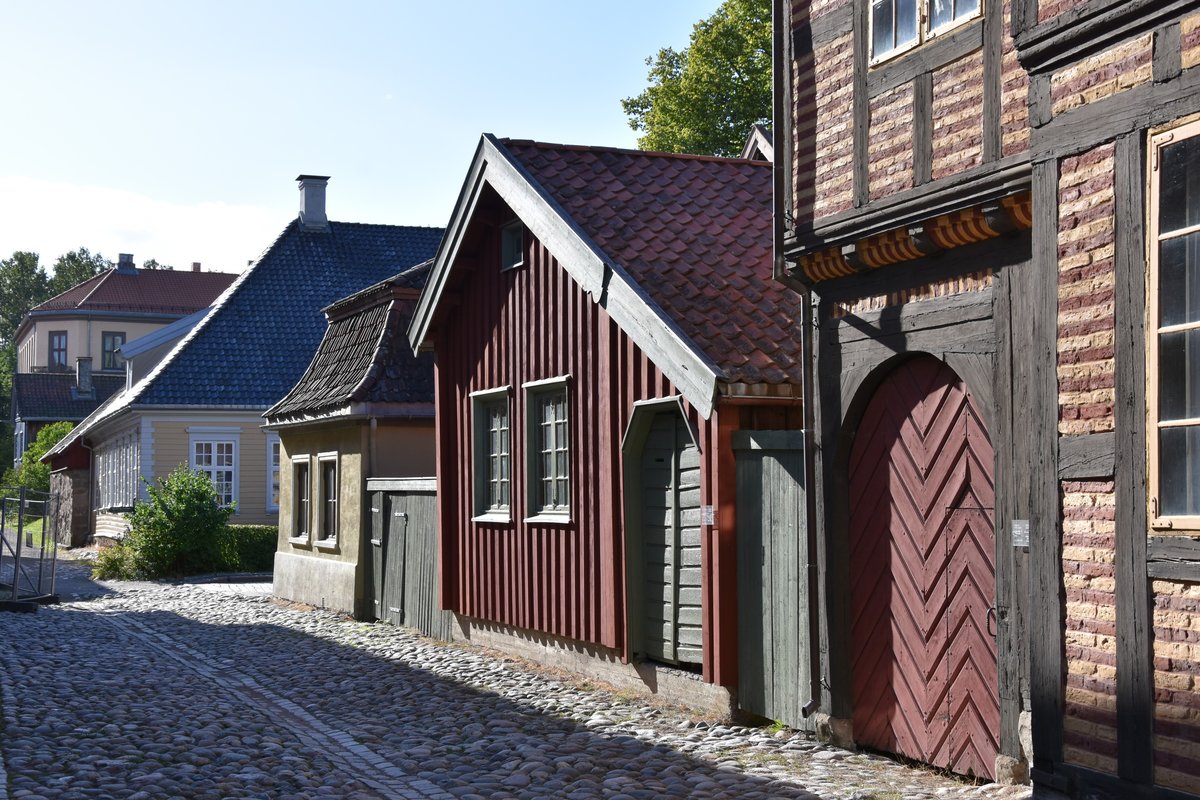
[[229, 697]]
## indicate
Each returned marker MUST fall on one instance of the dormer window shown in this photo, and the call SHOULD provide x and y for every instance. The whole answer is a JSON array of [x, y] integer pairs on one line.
[[512, 245], [900, 25]]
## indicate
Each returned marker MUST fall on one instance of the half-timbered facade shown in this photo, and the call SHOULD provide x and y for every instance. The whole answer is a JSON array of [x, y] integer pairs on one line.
[[988, 204], [606, 331]]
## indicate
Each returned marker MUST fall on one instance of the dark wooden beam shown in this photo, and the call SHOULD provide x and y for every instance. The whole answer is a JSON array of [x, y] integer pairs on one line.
[[1087, 457], [1135, 668], [1132, 111], [1024, 16], [862, 108], [834, 23], [1092, 27], [1035, 322], [923, 129], [1168, 55], [993, 44]]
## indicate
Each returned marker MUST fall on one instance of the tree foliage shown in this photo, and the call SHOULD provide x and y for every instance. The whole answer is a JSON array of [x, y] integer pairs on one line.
[[152, 263], [76, 267], [32, 473], [23, 284], [705, 98]]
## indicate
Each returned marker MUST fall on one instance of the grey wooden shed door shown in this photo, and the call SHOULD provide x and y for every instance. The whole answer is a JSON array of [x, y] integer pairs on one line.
[[774, 577], [671, 604], [377, 554], [394, 560]]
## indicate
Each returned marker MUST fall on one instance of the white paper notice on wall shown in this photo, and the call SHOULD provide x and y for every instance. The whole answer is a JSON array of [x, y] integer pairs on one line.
[[707, 517], [1020, 533]]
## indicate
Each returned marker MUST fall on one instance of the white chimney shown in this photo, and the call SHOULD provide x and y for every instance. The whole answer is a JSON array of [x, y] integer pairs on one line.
[[312, 202], [83, 376]]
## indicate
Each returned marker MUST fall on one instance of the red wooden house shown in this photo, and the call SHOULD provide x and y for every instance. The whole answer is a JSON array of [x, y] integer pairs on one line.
[[989, 203], [606, 329]]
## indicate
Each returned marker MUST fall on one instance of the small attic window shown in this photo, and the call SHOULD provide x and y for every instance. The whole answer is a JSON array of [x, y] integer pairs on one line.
[[512, 245]]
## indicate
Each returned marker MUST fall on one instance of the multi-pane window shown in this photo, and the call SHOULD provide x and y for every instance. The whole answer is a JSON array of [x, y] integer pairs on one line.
[[550, 481], [216, 458], [301, 491], [327, 499], [273, 472], [1173, 330], [898, 25], [116, 471], [111, 342], [58, 349], [492, 465]]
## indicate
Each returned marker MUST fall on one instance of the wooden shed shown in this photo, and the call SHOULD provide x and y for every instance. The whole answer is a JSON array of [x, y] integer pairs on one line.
[[607, 333], [989, 206]]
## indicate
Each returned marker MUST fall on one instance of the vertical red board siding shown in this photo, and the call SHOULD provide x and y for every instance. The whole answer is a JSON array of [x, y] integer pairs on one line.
[[506, 329]]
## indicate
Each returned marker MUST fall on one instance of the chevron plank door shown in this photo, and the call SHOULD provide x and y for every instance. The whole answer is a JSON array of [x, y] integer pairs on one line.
[[922, 549]]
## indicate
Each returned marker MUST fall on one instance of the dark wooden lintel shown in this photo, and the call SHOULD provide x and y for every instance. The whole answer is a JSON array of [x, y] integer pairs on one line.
[[1091, 27], [1168, 55], [836, 22]]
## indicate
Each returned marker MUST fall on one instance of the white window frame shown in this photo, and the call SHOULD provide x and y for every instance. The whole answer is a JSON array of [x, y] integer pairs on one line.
[[1188, 524], [535, 393], [274, 471], [324, 538], [218, 435], [483, 483], [512, 245], [301, 503], [924, 32], [117, 361], [116, 469]]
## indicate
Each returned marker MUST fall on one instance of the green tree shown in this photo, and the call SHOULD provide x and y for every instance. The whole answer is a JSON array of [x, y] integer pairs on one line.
[[76, 267], [23, 284], [33, 474], [152, 263], [705, 98]]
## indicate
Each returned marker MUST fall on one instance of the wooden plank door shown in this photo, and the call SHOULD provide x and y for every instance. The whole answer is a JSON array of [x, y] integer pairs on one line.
[[395, 544], [774, 577], [922, 564], [670, 546], [376, 553]]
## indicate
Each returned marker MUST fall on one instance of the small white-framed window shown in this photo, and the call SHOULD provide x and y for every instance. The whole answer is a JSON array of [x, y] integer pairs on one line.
[[273, 471], [900, 25], [1173, 330], [327, 499], [547, 444], [110, 345], [492, 467], [214, 451], [512, 245], [301, 500]]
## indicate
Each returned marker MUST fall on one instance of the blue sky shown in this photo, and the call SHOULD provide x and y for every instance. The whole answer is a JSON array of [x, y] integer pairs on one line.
[[174, 130]]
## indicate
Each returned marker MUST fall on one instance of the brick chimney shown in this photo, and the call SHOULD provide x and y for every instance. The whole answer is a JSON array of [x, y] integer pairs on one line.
[[83, 377], [125, 265], [195, 266], [312, 202]]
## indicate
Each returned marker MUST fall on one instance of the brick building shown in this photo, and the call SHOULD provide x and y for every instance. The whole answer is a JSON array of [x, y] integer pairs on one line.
[[989, 205]]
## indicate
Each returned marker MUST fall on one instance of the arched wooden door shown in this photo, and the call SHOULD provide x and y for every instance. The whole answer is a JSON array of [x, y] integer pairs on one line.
[[923, 585]]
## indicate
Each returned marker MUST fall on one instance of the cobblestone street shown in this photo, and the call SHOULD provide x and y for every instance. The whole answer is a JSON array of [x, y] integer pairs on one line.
[[218, 691]]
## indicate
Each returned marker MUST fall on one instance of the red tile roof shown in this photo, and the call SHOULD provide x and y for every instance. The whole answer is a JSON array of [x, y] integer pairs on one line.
[[159, 291], [695, 234]]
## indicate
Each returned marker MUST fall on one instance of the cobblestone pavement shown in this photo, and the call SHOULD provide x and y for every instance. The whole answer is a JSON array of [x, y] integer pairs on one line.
[[217, 691]]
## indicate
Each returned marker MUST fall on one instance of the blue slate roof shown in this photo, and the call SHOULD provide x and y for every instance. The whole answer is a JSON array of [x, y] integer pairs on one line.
[[261, 334], [51, 396]]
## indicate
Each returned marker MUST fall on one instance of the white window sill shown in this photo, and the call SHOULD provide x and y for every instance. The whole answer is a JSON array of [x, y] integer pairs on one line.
[[493, 516], [298, 540], [549, 518], [326, 544]]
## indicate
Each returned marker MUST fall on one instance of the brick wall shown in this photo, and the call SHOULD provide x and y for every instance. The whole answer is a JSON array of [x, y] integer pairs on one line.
[[1014, 96], [1048, 9], [890, 146], [833, 170], [1090, 725], [958, 116], [1176, 621], [1085, 293], [1189, 36], [1103, 75]]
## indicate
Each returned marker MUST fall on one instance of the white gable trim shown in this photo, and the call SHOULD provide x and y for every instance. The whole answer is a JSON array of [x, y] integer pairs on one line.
[[692, 373]]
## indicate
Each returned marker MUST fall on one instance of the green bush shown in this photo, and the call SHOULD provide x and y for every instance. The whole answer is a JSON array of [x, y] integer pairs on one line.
[[254, 547], [181, 529], [114, 563], [32, 473]]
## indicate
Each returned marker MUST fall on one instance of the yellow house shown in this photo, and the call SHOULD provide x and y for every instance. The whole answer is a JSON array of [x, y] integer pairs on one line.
[[362, 410], [201, 405]]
